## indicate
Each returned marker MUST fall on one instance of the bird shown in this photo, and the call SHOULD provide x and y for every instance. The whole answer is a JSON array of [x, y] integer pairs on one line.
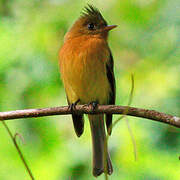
[[87, 72]]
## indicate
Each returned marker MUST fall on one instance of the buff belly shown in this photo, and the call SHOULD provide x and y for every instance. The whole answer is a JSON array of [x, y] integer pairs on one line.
[[85, 80]]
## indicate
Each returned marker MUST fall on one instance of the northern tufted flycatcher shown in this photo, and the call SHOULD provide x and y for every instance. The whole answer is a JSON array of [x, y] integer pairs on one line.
[[86, 66]]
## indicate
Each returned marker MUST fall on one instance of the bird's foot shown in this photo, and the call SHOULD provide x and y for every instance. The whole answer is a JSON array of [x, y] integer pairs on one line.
[[72, 107], [93, 104]]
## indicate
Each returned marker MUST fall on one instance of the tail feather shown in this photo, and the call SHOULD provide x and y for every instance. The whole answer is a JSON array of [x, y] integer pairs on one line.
[[78, 122], [98, 144]]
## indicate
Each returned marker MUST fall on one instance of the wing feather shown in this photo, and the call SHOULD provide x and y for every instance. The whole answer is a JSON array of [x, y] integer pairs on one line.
[[112, 94], [78, 122]]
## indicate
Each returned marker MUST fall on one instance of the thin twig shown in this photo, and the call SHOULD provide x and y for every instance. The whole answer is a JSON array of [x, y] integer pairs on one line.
[[127, 122], [115, 122], [133, 140], [13, 138], [129, 102]]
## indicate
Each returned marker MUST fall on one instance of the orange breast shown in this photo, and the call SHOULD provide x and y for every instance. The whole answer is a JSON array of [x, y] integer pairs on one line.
[[83, 69]]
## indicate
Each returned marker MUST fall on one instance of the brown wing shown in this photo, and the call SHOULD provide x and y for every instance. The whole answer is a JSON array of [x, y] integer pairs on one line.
[[112, 95], [78, 122]]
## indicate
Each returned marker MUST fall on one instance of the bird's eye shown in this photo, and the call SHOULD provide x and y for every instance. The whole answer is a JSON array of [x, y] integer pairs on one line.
[[91, 26]]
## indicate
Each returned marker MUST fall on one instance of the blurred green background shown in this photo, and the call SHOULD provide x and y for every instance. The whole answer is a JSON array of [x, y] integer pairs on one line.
[[145, 43]]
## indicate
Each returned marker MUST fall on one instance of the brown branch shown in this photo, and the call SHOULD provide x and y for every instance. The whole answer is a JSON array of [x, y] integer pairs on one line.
[[109, 109]]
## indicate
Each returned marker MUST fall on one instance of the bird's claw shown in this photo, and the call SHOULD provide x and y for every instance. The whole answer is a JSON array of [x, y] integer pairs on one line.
[[72, 107], [93, 104]]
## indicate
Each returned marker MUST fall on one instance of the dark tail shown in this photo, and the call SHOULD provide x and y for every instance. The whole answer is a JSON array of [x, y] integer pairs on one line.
[[98, 144]]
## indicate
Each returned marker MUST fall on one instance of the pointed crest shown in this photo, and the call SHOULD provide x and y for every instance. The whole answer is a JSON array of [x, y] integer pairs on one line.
[[91, 12]]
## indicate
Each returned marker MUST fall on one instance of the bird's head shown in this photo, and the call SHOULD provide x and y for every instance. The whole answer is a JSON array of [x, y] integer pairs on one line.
[[90, 23]]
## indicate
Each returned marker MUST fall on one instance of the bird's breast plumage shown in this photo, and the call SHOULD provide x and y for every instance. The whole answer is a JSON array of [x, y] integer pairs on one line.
[[83, 69]]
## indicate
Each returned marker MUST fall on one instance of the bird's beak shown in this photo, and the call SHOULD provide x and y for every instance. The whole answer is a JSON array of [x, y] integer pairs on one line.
[[109, 27]]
